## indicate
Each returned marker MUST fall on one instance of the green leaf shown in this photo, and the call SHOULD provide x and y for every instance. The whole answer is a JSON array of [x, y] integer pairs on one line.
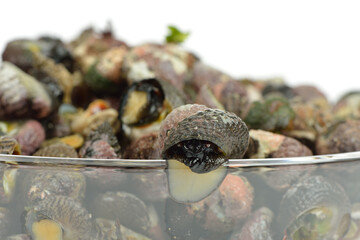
[[175, 35]]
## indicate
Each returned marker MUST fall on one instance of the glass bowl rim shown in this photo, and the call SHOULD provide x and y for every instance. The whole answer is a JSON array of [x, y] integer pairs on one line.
[[161, 163]]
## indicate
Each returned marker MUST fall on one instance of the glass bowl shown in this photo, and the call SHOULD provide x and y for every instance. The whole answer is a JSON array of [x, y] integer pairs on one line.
[[315, 197]]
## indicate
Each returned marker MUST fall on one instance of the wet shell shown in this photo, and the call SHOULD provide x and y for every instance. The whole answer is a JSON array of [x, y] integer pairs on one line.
[[317, 199], [124, 207], [58, 217], [9, 145], [43, 184], [149, 185], [192, 121], [179, 223], [21, 95], [265, 144], [5, 222], [257, 227], [57, 150], [225, 207], [105, 178]]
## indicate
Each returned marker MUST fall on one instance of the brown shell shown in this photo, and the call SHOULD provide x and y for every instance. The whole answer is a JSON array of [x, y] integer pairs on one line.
[[42, 184], [58, 149], [341, 137], [73, 218], [264, 144], [30, 136], [9, 145], [226, 206], [129, 209], [206, 75], [142, 148], [206, 97], [21, 95], [192, 121], [311, 193], [257, 227], [153, 60]]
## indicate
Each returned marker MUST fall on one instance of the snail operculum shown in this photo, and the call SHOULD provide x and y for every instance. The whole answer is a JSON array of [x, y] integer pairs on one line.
[[199, 155], [142, 103]]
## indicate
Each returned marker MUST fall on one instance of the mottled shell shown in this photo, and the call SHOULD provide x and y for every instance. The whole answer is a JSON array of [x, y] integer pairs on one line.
[[73, 218], [90, 44], [142, 148], [21, 95], [101, 143], [310, 193], [96, 114], [223, 209], [46, 183], [58, 149], [151, 60], [264, 144], [257, 227], [9, 145], [126, 207], [30, 136], [340, 137], [222, 128], [206, 97], [347, 107]]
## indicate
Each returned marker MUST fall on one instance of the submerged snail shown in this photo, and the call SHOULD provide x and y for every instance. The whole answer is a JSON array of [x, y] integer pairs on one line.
[[58, 217], [314, 208], [197, 141]]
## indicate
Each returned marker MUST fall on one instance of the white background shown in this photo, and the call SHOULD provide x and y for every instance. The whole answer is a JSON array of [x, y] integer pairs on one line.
[[308, 41]]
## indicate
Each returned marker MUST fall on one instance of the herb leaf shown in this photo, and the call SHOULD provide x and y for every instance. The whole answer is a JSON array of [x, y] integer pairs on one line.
[[175, 35]]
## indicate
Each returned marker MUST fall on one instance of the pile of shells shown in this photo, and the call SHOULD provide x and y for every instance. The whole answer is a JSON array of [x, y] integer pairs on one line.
[[99, 97]]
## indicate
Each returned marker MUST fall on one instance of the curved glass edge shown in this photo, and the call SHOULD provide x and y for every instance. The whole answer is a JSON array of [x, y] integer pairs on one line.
[[161, 163]]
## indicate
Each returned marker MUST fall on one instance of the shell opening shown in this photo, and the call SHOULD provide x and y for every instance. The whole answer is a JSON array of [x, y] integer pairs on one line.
[[199, 155], [143, 103]]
